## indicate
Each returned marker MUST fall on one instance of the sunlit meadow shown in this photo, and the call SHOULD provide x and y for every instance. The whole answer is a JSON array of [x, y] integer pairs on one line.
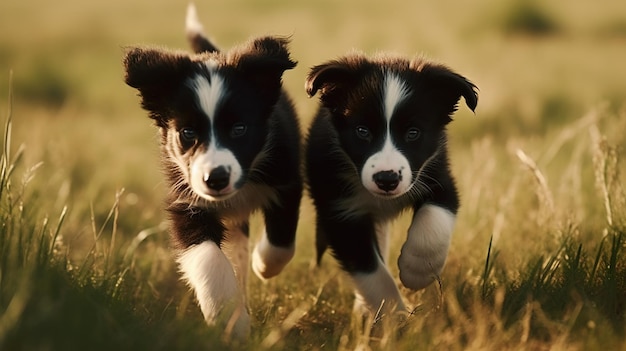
[[538, 254]]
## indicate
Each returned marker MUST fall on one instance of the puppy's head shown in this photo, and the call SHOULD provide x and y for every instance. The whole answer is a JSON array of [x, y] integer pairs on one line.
[[390, 115], [212, 109]]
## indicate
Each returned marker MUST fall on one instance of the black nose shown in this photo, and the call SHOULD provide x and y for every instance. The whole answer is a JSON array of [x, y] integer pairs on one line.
[[218, 179], [387, 180]]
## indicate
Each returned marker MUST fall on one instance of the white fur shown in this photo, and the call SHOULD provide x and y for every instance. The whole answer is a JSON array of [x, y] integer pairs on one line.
[[396, 91], [377, 291], [208, 93], [208, 96], [192, 23], [388, 159], [210, 274], [202, 165], [424, 253], [269, 260]]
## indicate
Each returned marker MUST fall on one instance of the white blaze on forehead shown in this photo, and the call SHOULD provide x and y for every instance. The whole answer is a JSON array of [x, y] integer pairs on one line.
[[396, 90], [208, 93], [389, 158]]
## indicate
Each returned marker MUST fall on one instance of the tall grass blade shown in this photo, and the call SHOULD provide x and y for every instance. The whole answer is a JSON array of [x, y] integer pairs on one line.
[[6, 140], [57, 230], [596, 262], [543, 190], [487, 269]]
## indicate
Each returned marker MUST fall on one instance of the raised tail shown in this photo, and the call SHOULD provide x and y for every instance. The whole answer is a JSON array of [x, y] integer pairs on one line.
[[195, 32]]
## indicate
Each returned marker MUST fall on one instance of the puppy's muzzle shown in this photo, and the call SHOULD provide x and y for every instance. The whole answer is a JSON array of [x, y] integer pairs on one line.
[[387, 180], [218, 178]]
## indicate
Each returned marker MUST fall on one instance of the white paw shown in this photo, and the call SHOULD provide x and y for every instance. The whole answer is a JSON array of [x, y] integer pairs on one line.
[[207, 270], [376, 293], [269, 260], [424, 253]]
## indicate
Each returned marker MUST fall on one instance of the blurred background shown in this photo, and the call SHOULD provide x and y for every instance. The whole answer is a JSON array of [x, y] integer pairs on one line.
[[539, 65]]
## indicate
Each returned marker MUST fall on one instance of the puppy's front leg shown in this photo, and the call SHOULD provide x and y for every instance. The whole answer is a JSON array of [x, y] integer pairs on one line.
[[424, 253], [353, 242], [210, 274], [277, 245], [198, 235], [376, 292]]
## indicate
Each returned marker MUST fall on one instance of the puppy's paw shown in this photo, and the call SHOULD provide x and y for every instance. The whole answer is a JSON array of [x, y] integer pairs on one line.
[[222, 301], [424, 253], [269, 260], [419, 268]]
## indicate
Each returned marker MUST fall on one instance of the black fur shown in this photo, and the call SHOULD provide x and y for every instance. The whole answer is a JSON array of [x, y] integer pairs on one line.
[[230, 104], [159, 76], [351, 93]]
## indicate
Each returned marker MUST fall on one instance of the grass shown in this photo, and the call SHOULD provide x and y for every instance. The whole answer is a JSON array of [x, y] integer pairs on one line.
[[538, 256]]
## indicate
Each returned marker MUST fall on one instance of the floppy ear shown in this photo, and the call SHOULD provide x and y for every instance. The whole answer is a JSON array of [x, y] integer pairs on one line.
[[156, 74], [446, 87], [332, 79], [262, 62]]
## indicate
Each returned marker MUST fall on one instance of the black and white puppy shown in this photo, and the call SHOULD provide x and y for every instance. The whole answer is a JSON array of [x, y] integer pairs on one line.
[[230, 144], [376, 147]]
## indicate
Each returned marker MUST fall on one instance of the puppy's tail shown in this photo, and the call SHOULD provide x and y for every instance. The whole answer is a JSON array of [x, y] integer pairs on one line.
[[195, 32]]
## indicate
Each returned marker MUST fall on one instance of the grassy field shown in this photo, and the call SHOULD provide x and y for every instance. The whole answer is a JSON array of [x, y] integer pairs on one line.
[[538, 258]]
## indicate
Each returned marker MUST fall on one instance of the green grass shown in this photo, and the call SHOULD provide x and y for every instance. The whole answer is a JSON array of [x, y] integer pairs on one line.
[[538, 256]]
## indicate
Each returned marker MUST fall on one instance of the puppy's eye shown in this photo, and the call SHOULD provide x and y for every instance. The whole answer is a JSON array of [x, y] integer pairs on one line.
[[363, 133], [412, 134], [187, 135], [238, 130]]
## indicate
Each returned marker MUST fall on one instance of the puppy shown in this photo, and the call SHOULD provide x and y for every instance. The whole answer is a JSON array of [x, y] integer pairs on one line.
[[376, 147], [230, 145]]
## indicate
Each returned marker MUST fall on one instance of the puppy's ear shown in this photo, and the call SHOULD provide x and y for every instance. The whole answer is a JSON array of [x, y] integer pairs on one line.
[[156, 74], [332, 79], [263, 61], [446, 87]]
